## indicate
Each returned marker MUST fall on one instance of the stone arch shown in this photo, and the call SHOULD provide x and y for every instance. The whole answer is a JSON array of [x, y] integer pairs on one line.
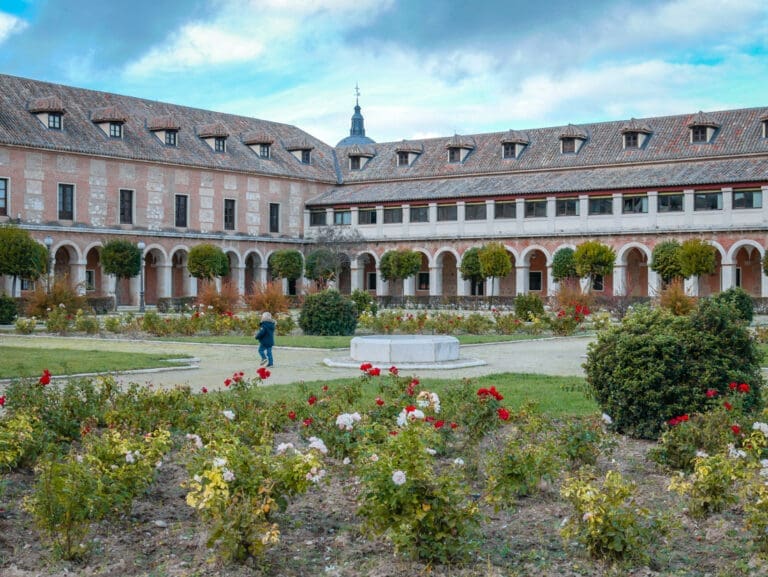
[[632, 265], [181, 281], [534, 261], [710, 284], [447, 274], [67, 259], [508, 284], [254, 263], [233, 275], [367, 263], [96, 281], [743, 265], [157, 281], [344, 282]]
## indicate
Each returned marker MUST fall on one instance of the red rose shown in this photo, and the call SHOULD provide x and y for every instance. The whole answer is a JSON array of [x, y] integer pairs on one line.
[[736, 429], [439, 424], [45, 378], [292, 415], [379, 401], [374, 372], [429, 419], [414, 382], [410, 408], [2, 400], [503, 414], [454, 426], [732, 386], [325, 388], [393, 370], [393, 433], [743, 388], [308, 421], [204, 390], [263, 373], [227, 382], [366, 366], [312, 400], [728, 406], [711, 393]]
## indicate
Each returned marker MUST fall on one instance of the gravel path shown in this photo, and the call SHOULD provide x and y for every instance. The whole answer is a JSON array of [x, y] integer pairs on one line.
[[562, 356]]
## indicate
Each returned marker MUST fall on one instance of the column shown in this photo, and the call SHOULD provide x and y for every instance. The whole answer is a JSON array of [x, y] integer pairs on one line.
[[78, 271], [435, 281], [492, 286], [240, 279], [355, 276], [164, 280], [521, 279], [134, 288], [552, 285], [409, 286], [262, 274], [654, 283], [462, 286], [692, 286], [727, 276], [619, 280]]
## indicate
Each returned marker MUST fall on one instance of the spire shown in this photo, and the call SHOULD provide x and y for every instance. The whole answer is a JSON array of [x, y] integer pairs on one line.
[[357, 129]]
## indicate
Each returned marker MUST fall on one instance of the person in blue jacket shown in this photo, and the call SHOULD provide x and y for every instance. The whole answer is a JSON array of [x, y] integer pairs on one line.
[[266, 338]]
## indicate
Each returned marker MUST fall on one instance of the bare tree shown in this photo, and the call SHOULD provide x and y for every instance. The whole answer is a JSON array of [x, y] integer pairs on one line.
[[331, 251]]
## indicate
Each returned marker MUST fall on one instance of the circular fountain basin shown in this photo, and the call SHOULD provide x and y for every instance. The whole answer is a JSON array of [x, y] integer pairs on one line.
[[405, 349]]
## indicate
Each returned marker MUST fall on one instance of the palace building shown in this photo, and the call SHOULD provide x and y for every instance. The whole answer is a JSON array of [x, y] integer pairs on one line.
[[80, 167]]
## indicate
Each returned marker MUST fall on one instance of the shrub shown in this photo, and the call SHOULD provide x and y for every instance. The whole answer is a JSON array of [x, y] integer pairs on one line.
[[506, 324], [8, 309], [656, 366], [268, 297], [364, 302], [225, 300], [710, 488], [527, 306], [25, 326], [61, 295], [285, 325], [674, 299], [445, 323], [740, 300], [85, 323], [328, 313], [477, 324], [59, 320]]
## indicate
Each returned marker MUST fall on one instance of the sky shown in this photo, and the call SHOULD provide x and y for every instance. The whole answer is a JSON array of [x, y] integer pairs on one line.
[[425, 68]]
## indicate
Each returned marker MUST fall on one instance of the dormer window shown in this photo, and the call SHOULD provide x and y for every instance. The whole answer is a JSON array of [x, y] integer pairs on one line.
[[54, 120], [264, 150], [260, 143], [115, 130], [166, 129], [301, 149], [702, 128], [764, 123], [215, 135], [631, 140], [572, 139], [306, 156], [459, 148], [635, 134], [49, 110], [354, 163], [220, 144], [407, 153], [359, 156], [110, 120], [513, 143]]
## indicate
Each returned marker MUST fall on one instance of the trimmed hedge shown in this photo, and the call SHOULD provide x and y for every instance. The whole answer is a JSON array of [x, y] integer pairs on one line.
[[328, 313]]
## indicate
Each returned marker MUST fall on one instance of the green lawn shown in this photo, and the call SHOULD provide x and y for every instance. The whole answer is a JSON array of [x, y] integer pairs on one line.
[[556, 396], [30, 362], [318, 342]]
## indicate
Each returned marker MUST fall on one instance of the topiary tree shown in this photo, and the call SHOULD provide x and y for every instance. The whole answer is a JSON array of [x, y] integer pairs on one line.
[[494, 261], [741, 301], [206, 261], [593, 259], [20, 255], [287, 264], [364, 301], [321, 266], [564, 265], [470, 265], [328, 313], [399, 264], [697, 258], [665, 260], [656, 366], [122, 259]]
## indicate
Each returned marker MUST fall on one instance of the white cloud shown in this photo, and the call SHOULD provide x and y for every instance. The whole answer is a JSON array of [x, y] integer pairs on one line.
[[10, 25]]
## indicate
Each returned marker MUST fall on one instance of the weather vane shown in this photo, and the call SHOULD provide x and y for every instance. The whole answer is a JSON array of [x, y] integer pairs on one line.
[[357, 93]]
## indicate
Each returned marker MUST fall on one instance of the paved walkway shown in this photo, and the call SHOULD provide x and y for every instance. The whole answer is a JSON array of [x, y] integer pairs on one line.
[[563, 356]]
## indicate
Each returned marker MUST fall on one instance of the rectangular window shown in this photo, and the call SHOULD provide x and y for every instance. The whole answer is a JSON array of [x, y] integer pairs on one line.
[[602, 205], [366, 216], [446, 212], [708, 201], [509, 150], [27, 285], [631, 140], [423, 281], [115, 130], [738, 276], [402, 158], [393, 215], [126, 206], [567, 207], [170, 138], [534, 280], [342, 217], [670, 202], [3, 197], [748, 198], [475, 212], [90, 280], [317, 218], [354, 163], [454, 155], [535, 208], [371, 281], [274, 217], [66, 202], [264, 150], [598, 283], [54, 120], [634, 204], [306, 157], [505, 210], [181, 211], [220, 144], [419, 214], [229, 214], [699, 134], [569, 145]]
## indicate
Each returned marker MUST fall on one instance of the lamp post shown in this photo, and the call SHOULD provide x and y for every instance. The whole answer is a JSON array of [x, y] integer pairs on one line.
[[141, 246], [48, 241]]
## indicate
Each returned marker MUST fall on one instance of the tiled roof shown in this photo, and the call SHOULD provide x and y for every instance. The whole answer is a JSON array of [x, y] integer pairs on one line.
[[301, 143], [515, 137], [572, 131], [19, 127], [108, 114], [406, 146], [46, 104], [458, 141], [634, 126], [357, 150], [164, 122], [605, 178], [214, 130], [740, 133], [703, 119], [257, 137]]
